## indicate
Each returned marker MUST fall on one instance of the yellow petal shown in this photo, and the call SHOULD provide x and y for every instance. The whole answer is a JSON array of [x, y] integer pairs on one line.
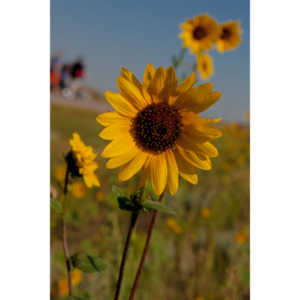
[[172, 172], [119, 146], [109, 118], [191, 157], [158, 81], [145, 173], [198, 98], [208, 149], [130, 76], [194, 96], [192, 178], [170, 84], [115, 131], [148, 75], [131, 93], [120, 160], [120, 104], [158, 172], [183, 166], [133, 166], [187, 84]]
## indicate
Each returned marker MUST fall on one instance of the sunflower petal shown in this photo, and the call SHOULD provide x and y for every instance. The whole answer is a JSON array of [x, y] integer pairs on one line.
[[158, 173], [172, 172], [158, 81], [119, 146], [133, 166], [130, 77], [192, 178], [192, 158], [208, 149], [148, 75], [187, 84], [115, 131], [131, 92], [120, 160], [120, 104], [109, 118], [198, 98]]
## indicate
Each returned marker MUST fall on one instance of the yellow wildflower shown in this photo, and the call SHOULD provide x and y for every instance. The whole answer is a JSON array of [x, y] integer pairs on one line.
[[230, 36], [76, 278], [156, 128], [241, 237], [172, 224], [84, 157], [205, 66], [205, 212], [78, 189], [60, 173], [199, 33], [99, 196]]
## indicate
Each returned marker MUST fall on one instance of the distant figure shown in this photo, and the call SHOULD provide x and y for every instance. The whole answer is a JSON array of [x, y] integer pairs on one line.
[[55, 70], [64, 76], [78, 69], [77, 75]]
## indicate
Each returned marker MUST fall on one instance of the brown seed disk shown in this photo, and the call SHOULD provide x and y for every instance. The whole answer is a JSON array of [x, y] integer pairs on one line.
[[226, 33], [199, 33], [156, 128]]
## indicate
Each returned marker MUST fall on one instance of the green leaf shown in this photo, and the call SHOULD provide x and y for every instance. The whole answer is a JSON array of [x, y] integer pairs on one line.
[[117, 191], [88, 263], [154, 205], [56, 205]]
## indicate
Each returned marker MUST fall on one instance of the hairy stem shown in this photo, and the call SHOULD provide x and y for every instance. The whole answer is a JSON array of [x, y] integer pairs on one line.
[[145, 251], [134, 216], [64, 233]]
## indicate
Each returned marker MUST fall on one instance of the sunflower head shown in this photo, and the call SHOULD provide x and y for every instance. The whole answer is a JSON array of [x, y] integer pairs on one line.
[[156, 128], [205, 65], [199, 33], [80, 161], [230, 36]]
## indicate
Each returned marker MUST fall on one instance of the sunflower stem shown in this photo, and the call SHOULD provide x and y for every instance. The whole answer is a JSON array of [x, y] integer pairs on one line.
[[145, 251], [64, 233], [134, 216]]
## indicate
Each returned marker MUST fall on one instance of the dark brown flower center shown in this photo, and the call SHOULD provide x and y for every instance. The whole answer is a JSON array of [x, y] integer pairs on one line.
[[226, 33], [156, 128], [199, 33]]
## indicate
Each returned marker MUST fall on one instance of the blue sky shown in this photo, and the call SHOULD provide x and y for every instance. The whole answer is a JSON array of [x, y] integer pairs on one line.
[[111, 34]]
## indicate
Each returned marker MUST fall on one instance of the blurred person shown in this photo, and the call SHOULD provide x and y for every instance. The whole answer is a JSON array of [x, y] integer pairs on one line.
[[55, 70], [77, 75]]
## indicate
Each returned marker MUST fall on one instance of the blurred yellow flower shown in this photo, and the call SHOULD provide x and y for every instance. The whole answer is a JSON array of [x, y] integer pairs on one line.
[[84, 157], [156, 128], [205, 212], [76, 278], [230, 36], [99, 196], [205, 66], [78, 189], [199, 33], [60, 173], [172, 224], [241, 237]]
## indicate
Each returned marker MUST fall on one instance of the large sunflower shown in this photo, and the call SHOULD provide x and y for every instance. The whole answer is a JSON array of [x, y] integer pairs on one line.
[[199, 33], [230, 36], [156, 128]]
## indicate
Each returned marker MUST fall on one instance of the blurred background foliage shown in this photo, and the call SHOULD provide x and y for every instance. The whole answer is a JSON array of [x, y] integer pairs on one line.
[[200, 253]]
